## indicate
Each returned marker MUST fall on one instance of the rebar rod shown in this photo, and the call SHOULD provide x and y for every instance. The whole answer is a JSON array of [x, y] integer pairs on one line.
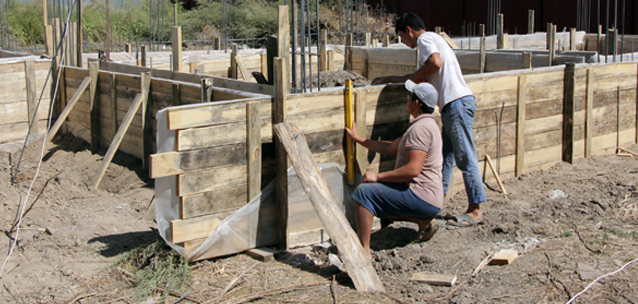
[[303, 45], [294, 46], [319, 48]]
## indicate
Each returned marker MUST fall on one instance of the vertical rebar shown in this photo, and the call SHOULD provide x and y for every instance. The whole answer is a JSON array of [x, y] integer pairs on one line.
[[294, 46], [303, 45], [340, 24], [622, 35], [319, 48], [150, 26]]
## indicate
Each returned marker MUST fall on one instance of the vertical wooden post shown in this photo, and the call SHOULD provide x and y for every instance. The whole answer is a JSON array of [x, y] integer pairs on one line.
[[206, 85], [610, 40], [530, 21], [348, 52], [48, 40], [482, 55], [527, 60], [127, 48], [147, 116], [253, 148], [233, 62], [271, 52], [386, 40], [279, 115], [177, 99], [330, 60], [177, 48], [360, 152], [217, 43], [78, 40], [548, 35], [501, 38], [263, 64], [143, 55], [568, 113], [29, 76], [551, 42], [61, 91], [599, 40], [520, 126], [572, 39], [45, 17], [589, 108], [368, 39], [437, 29], [324, 50], [283, 39], [113, 102], [481, 30], [94, 106]]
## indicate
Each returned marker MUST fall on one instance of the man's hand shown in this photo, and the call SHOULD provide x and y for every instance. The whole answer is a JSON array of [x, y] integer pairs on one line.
[[354, 134], [370, 177], [380, 80]]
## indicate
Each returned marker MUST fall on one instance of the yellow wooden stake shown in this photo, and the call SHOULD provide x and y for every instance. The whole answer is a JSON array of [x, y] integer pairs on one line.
[[349, 144]]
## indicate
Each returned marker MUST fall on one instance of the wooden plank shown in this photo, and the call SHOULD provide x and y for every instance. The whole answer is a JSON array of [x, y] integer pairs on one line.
[[504, 257], [173, 163], [520, 127], [94, 106], [176, 34], [588, 113], [361, 153], [211, 113], [147, 131], [214, 202], [195, 228], [211, 180], [206, 90], [95, 182], [434, 279], [29, 71], [262, 254], [568, 113], [176, 94], [242, 69], [356, 261], [113, 103], [281, 171], [253, 150], [67, 110]]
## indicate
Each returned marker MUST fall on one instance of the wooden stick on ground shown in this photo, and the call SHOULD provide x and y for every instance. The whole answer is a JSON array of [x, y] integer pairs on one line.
[[627, 151], [498, 179], [354, 257]]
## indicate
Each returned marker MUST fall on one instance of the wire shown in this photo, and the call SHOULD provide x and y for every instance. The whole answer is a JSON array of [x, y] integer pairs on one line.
[[15, 240], [596, 280]]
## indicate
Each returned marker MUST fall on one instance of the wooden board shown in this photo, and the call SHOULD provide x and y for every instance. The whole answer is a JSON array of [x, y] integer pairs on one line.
[[434, 279], [504, 257], [172, 163], [213, 113], [211, 180], [195, 228], [212, 202]]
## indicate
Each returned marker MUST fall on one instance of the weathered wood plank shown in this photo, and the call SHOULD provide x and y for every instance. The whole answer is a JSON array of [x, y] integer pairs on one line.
[[215, 202], [359, 266], [94, 106], [211, 113], [29, 68], [520, 126], [67, 110], [172, 163], [253, 151], [279, 106]]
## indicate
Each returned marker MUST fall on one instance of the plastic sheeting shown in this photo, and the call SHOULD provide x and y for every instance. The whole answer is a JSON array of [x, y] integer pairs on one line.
[[255, 224]]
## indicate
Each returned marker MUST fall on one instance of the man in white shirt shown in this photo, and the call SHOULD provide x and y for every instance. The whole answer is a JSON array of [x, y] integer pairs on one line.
[[457, 105]]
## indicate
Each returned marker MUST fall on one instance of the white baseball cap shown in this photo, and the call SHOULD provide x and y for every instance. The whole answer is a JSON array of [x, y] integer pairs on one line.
[[424, 91]]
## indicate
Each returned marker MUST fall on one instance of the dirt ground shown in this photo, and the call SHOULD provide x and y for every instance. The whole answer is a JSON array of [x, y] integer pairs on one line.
[[72, 236]]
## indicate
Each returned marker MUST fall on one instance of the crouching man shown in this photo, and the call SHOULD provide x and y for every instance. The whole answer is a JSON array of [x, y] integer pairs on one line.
[[413, 191]]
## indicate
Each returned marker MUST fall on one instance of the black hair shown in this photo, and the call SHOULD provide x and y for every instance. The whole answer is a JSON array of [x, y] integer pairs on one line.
[[410, 20], [425, 108]]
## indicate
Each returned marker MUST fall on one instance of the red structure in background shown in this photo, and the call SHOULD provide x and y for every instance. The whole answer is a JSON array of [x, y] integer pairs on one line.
[[451, 15]]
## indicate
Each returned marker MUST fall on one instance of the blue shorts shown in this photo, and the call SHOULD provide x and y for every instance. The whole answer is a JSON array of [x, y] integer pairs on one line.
[[393, 200]]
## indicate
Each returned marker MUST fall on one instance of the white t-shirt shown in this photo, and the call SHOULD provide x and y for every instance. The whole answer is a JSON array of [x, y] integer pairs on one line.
[[449, 80]]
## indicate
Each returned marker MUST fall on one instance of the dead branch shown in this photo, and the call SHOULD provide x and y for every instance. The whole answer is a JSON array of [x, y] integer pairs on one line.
[[333, 290], [81, 297], [265, 293], [33, 203], [585, 243], [451, 293]]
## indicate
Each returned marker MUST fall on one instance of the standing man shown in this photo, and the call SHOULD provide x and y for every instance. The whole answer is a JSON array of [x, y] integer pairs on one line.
[[457, 105]]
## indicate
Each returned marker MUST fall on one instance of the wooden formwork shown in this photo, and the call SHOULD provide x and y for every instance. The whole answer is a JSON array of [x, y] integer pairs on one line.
[[533, 134], [23, 81]]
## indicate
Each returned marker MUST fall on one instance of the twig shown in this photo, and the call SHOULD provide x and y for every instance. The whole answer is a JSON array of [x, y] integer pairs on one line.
[[182, 298], [81, 297], [451, 293], [33, 203], [554, 279], [393, 298], [585, 243], [482, 264], [232, 282], [333, 287], [286, 289]]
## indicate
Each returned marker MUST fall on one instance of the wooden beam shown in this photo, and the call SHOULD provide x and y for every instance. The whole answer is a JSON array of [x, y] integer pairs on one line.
[[29, 76], [361, 153], [572, 39], [501, 38], [48, 40], [233, 62], [527, 60], [195, 228], [262, 254], [147, 116], [386, 40], [530, 21], [271, 54], [348, 55], [94, 106], [85, 83], [520, 126], [177, 99], [483, 55], [504, 257], [207, 90], [143, 55], [283, 41], [78, 36], [113, 104], [253, 149], [324, 50], [117, 140], [568, 112], [368, 40], [589, 108], [279, 116], [434, 279], [241, 67], [355, 259], [177, 48]]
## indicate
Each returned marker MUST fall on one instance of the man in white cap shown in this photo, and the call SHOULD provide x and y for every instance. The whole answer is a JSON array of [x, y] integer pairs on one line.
[[457, 106], [413, 191]]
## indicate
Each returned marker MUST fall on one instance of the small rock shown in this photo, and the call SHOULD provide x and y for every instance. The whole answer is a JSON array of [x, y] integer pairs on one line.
[[122, 206], [48, 231], [78, 243], [587, 272], [335, 261]]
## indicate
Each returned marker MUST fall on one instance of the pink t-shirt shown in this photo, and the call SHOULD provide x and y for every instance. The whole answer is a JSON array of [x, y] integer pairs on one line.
[[423, 134]]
